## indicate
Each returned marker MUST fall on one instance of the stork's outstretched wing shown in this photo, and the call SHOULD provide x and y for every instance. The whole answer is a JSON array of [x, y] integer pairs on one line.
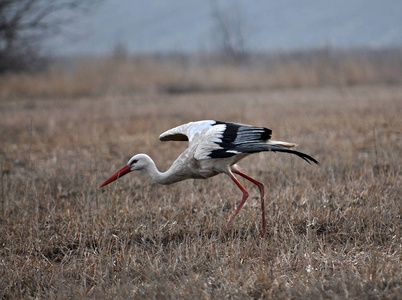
[[215, 139]]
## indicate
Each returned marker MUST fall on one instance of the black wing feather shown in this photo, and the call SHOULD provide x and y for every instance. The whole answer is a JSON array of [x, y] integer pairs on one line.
[[239, 138], [305, 156]]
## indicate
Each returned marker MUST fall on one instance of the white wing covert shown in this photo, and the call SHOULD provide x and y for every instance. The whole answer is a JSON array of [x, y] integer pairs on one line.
[[204, 136], [187, 132]]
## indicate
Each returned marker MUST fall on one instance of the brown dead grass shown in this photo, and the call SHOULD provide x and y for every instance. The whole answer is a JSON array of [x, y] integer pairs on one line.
[[94, 77], [334, 230]]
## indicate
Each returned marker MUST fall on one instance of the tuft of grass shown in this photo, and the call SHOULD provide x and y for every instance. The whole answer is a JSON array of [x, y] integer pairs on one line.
[[334, 230]]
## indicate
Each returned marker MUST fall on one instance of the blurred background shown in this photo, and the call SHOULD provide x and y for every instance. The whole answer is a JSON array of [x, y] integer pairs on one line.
[[99, 46]]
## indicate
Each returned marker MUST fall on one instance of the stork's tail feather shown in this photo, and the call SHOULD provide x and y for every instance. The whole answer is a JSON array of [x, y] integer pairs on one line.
[[283, 144], [284, 147]]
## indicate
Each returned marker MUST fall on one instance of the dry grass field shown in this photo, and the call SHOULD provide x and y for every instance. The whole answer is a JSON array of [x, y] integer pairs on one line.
[[334, 230]]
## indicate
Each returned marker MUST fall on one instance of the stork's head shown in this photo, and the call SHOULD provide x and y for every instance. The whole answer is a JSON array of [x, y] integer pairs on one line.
[[137, 162]]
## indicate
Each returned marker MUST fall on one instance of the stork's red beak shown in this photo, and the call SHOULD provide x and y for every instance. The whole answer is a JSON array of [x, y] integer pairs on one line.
[[123, 171]]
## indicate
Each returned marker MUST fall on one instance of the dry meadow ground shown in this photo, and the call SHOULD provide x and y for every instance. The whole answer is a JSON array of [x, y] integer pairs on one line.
[[334, 230]]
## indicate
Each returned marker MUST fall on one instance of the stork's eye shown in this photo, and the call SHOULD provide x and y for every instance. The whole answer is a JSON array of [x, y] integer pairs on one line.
[[133, 162]]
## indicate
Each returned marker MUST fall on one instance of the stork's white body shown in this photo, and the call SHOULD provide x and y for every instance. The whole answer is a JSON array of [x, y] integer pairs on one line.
[[214, 147], [204, 137]]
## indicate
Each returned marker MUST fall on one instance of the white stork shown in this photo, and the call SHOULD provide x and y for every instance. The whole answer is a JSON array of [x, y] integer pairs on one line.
[[214, 147]]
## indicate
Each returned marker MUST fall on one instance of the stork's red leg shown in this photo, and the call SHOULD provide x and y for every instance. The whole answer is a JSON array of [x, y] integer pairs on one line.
[[245, 196], [261, 188]]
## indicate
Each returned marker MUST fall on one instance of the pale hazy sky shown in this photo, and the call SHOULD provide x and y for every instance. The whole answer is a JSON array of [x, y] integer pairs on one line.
[[186, 25]]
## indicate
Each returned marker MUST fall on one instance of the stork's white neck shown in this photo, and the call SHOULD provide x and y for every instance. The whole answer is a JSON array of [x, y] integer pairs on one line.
[[168, 177]]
